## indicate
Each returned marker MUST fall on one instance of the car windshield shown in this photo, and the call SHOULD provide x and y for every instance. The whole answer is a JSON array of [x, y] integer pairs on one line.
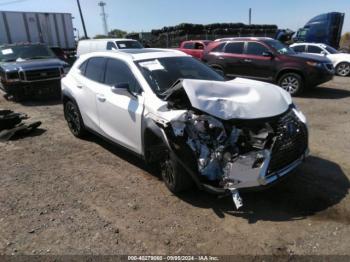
[[25, 52], [280, 47], [331, 50], [162, 73], [128, 45]]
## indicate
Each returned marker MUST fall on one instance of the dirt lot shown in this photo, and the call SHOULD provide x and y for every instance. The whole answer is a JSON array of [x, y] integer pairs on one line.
[[61, 195]]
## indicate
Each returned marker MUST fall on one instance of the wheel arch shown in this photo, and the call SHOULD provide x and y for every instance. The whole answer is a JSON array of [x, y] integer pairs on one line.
[[152, 136], [341, 62], [289, 70]]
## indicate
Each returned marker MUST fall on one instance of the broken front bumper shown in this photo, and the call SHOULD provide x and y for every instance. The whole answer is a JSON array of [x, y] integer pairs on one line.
[[247, 173]]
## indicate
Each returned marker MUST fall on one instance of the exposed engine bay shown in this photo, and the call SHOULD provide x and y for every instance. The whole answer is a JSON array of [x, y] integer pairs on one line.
[[240, 153]]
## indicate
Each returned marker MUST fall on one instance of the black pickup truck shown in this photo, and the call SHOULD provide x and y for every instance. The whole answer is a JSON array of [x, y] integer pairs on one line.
[[29, 71]]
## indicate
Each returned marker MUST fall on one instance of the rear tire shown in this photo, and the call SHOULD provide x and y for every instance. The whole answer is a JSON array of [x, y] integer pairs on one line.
[[174, 175], [343, 69], [293, 83], [74, 119]]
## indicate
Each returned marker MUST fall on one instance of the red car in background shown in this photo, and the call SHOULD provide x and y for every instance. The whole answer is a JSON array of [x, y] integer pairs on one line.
[[194, 48]]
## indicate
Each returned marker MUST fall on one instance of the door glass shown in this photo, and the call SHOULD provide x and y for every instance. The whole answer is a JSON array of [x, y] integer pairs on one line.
[[189, 45], [199, 46], [95, 69], [299, 48], [256, 49], [314, 49], [111, 46], [118, 72], [83, 66], [234, 48], [218, 48]]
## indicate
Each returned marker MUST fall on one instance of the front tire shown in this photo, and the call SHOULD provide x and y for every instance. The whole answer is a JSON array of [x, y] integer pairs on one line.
[[293, 83], [343, 69], [174, 175], [74, 119]]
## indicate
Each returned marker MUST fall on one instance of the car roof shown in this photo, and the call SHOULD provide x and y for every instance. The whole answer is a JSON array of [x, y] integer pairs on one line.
[[140, 54], [315, 44], [243, 39], [108, 39]]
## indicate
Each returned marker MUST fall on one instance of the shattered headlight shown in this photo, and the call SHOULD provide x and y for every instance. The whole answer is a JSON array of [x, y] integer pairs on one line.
[[299, 114]]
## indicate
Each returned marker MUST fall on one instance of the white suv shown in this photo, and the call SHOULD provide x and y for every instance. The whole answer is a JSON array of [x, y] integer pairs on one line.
[[171, 109], [341, 61]]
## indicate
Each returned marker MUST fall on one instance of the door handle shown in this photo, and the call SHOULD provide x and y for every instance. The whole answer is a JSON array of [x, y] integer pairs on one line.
[[80, 86], [221, 58], [101, 98], [247, 60]]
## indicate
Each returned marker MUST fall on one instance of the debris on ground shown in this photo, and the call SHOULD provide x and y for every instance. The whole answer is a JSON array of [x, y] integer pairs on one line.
[[11, 125]]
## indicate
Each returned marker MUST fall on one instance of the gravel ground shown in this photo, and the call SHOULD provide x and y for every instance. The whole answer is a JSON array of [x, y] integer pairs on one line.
[[61, 195]]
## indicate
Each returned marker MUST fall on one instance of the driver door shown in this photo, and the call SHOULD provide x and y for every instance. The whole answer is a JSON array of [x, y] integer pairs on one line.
[[120, 112]]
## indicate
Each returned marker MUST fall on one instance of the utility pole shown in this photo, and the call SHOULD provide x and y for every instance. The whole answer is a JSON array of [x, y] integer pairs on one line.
[[250, 16], [104, 17], [82, 19]]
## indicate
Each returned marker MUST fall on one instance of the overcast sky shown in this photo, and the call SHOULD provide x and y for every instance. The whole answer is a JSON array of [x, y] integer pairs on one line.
[[144, 15]]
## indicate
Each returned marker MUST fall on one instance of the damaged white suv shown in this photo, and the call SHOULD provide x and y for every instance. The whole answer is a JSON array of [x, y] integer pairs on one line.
[[171, 109]]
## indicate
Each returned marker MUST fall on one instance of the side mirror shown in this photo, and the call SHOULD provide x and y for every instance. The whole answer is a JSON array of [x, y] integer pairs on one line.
[[121, 88], [324, 53], [268, 54]]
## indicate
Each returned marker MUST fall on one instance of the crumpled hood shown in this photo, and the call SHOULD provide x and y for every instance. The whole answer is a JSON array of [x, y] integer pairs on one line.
[[237, 99]]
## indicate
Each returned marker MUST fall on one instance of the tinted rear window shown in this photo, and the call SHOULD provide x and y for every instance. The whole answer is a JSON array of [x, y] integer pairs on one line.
[[314, 49], [95, 69], [299, 48], [256, 49], [234, 48], [188, 45]]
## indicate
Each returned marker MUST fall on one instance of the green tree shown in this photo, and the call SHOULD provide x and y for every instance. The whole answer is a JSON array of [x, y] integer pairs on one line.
[[100, 36], [117, 33], [345, 40]]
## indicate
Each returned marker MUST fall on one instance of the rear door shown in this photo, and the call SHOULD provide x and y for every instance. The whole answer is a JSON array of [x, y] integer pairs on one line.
[[256, 63], [88, 85], [233, 59], [120, 112]]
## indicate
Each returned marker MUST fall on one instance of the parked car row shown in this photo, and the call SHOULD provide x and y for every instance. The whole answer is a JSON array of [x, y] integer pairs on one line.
[[267, 60]]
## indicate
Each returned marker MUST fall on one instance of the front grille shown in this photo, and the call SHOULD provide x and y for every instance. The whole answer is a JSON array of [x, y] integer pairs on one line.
[[12, 76], [43, 74], [329, 67], [291, 142]]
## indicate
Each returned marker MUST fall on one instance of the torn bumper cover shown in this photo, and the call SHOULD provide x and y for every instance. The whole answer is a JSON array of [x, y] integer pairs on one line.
[[225, 147]]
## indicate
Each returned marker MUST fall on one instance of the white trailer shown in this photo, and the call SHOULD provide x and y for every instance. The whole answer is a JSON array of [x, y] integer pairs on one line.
[[53, 29]]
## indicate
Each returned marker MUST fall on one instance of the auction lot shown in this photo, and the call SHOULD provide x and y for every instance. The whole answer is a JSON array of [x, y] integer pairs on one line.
[[62, 195]]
